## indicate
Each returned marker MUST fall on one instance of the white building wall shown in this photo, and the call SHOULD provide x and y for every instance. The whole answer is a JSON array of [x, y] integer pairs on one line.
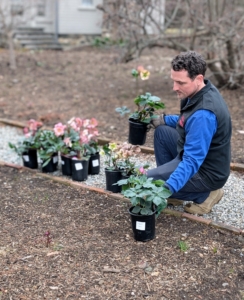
[[75, 18], [48, 20]]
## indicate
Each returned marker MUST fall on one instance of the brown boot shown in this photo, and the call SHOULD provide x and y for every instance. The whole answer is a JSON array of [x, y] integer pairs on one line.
[[174, 202], [205, 207]]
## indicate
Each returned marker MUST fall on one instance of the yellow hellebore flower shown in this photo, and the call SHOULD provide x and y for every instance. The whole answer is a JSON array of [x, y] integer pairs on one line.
[[112, 146], [102, 152], [144, 74]]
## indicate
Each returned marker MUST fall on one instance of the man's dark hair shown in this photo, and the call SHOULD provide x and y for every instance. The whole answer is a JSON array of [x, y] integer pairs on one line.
[[190, 61]]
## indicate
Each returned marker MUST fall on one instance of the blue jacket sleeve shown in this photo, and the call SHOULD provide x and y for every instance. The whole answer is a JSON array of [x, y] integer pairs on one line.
[[200, 128], [171, 120]]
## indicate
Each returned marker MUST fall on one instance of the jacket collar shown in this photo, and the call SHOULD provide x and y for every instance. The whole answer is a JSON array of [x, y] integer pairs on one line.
[[185, 103]]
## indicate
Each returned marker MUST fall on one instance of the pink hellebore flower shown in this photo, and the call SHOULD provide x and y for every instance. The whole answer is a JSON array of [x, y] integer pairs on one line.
[[86, 123], [71, 120], [72, 124], [33, 124], [93, 131], [93, 123], [59, 129], [140, 69], [67, 142], [79, 122], [84, 139], [25, 130], [28, 134], [142, 170]]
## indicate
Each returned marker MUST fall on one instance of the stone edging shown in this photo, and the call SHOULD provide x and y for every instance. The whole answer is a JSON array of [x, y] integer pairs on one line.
[[76, 184], [101, 141]]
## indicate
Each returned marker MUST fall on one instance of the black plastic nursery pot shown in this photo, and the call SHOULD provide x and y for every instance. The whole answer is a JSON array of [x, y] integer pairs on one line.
[[143, 226], [66, 165], [94, 164], [79, 169], [30, 159], [112, 176], [52, 165], [137, 132]]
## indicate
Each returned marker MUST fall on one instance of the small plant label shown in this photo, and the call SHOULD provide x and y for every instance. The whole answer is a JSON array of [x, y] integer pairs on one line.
[[140, 225], [78, 166], [55, 159], [95, 163], [26, 158]]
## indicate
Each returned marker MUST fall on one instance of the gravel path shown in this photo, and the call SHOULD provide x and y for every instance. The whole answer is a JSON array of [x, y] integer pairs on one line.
[[229, 210]]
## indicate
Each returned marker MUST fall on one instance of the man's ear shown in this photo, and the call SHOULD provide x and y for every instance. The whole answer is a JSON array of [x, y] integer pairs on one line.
[[200, 78]]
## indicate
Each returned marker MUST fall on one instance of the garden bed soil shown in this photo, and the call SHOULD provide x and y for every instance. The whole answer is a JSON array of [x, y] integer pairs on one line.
[[53, 86], [90, 252]]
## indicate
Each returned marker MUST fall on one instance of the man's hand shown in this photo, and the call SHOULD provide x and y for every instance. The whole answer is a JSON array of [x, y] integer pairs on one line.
[[158, 121]]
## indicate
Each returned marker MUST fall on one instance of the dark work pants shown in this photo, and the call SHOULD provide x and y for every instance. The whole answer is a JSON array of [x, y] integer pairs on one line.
[[165, 147]]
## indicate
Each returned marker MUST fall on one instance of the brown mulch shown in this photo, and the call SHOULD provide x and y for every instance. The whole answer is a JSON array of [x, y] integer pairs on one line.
[[91, 252], [54, 86]]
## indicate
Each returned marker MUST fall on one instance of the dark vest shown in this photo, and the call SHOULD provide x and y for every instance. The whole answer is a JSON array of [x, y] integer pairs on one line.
[[215, 169]]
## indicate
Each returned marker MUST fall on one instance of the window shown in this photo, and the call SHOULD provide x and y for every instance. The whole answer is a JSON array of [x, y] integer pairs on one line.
[[41, 7], [17, 7], [87, 3]]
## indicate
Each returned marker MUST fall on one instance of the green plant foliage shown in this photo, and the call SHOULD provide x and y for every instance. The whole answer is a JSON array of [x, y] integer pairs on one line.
[[183, 246], [49, 144], [122, 110], [145, 194], [146, 106]]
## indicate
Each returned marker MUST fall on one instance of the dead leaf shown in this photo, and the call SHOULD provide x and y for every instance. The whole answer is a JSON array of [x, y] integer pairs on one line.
[[52, 253], [111, 270]]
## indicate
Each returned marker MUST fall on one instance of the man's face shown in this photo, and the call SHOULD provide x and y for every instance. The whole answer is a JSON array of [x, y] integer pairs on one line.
[[184, 86]]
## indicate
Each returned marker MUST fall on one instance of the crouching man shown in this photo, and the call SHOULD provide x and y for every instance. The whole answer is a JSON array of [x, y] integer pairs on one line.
[[193, 150]]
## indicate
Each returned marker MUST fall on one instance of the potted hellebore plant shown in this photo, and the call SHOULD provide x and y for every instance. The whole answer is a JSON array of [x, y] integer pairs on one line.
[[79, 138], [138, 121], [80, 162], [69, 135], [85, 147], [28, 145], [117, 163], [50, 144], [148, 198], [128, 166], [90, 134], [112, 162]]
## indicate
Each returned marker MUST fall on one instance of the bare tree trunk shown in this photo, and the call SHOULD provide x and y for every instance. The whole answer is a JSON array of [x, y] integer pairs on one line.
[[12, 56]]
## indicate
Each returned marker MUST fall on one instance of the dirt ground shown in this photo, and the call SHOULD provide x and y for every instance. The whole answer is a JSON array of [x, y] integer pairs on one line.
[[55, 86], [90, 252], [58, 242]]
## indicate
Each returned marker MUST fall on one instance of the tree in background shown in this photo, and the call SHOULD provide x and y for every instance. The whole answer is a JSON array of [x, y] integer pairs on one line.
[[12, 15], [215, 28]]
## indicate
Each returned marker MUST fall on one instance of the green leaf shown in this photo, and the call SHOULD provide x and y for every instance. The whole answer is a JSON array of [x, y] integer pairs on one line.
[[134, 201], [136, 209], [122, 110], [145, 211], [160, 208], [157, 200], [155, 98], [122, 182], [134, 73], [129, 193]]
